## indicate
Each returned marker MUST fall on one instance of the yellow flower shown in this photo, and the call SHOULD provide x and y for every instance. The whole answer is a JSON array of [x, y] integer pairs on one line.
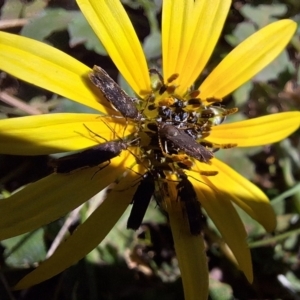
[[190, 30]]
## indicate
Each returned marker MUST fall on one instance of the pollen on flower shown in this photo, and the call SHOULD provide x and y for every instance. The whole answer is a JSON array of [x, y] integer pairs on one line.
[[171, 132], [178, 125]]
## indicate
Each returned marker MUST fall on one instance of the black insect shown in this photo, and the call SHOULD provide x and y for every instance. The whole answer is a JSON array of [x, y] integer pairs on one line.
[[140, 201], [187, 195], [184, 142], [114, 94], [89, 158]]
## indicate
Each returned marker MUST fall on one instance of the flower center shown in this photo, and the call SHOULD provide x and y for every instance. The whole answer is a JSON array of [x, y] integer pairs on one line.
[[178, 125], [176, 128]]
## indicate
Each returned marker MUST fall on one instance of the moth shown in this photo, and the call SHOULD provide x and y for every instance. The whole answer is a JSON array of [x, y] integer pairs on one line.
[[187, 195], [184, 142], [89, 158], [114, 94], [141, 200]]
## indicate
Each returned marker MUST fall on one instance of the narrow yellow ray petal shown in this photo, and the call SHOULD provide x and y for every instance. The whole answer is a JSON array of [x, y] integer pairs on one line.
[[258, 131], [110, 22], [247, 59], [208, 21], [226, 219], [50, 198], [190, 252], [245, 194], [201, 28], [88, 235], [49, 68], [53, 133], [175, 26]]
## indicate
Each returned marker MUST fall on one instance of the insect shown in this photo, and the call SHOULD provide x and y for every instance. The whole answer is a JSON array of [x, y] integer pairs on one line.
[[184, 142], [216, 115], [89, 158], [141, 200], [187, 195], [158, 82], [114, 94]]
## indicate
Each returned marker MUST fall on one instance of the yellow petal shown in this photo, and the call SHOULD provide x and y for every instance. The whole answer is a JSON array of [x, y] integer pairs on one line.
[[175, 25], [49, 68], [247, 59], [110, 22], [224, 216], [190, 32], [53, 133], [88, 235], [258, 131], [50, 198], [245, 194], [190, 252]]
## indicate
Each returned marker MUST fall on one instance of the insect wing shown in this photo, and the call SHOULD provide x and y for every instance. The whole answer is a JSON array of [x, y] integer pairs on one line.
[[140, 201], [113, 93], [88, 158], [187, 194], [185, 142]]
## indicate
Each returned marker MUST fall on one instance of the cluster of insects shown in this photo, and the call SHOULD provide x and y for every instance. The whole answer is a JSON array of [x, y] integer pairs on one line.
[[176, 129]]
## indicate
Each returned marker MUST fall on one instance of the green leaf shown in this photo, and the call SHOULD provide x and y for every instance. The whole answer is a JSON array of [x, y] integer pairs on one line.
[[81, 33], [241, 95], [50, 21], [11, 9], [294, 280], [14, 9], [279, 202], [24, 250], [152, 45], [219, 290], [262, 15], [33, 8]]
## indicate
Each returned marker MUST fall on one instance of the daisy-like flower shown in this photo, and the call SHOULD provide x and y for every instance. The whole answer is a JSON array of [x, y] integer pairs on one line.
[[190, 30]]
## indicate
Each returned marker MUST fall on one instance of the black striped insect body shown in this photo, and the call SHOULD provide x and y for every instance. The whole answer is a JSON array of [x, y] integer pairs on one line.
[[141, 200], [89, 158], [216, 115], [187, 195], [114, 94]]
